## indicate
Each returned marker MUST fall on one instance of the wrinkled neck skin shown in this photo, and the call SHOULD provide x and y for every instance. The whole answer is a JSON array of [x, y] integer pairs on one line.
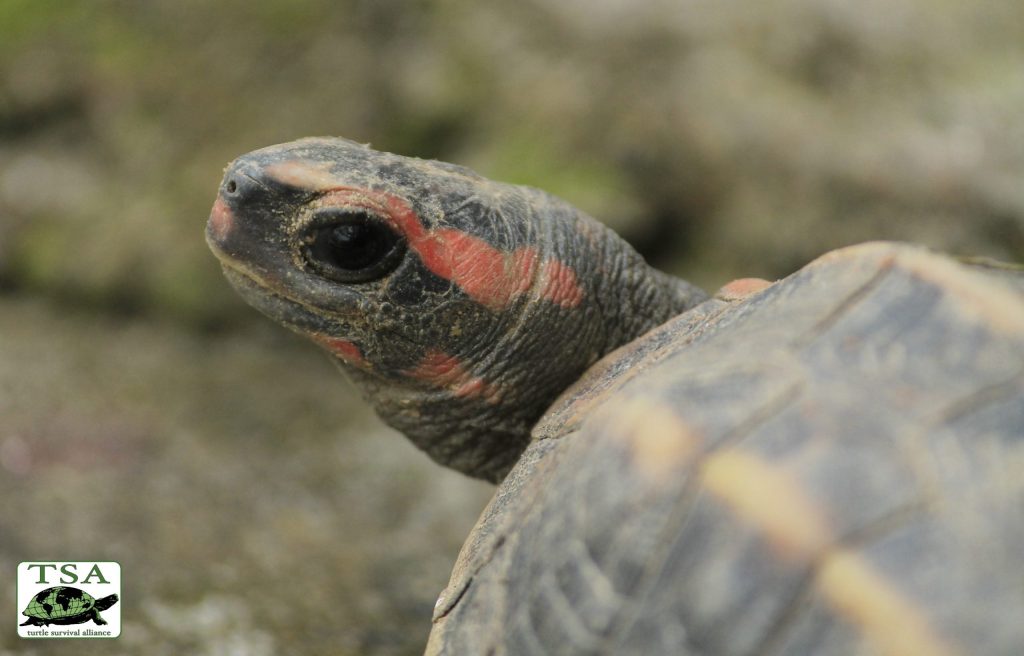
[[499, 386], [498, 297]]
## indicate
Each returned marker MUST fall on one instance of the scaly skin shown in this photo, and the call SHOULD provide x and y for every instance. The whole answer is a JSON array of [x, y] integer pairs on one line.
[[466, 311]]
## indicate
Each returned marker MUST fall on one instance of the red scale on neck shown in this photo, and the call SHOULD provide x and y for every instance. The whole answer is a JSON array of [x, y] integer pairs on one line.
[[447, 371], [342, 348]]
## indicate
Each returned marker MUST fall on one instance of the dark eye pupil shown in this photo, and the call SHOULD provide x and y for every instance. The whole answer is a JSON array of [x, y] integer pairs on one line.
[[355, 248], [352, 246]]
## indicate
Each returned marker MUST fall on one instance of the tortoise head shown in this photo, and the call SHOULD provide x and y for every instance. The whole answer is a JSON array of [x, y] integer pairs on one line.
[[461, 307]]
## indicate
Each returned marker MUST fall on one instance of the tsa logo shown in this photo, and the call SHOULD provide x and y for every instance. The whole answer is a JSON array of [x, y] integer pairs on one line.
[[69, 600]]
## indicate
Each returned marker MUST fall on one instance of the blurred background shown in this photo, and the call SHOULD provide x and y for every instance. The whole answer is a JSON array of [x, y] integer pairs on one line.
[[147, 416]]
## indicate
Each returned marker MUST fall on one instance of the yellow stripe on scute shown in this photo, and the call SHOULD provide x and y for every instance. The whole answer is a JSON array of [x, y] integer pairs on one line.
[[769, 499], [888, 619], [661, 444], [773, 502]]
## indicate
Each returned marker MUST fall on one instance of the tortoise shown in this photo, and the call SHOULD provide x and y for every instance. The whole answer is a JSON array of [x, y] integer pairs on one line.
[[65, 605], [830, 463]]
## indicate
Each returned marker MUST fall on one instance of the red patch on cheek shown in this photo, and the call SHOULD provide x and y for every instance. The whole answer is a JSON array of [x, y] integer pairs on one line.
[[446, 371], [221, 220], [342, 348]]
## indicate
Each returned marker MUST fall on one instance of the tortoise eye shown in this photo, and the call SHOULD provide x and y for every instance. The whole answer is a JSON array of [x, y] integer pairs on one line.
[[352, 247]]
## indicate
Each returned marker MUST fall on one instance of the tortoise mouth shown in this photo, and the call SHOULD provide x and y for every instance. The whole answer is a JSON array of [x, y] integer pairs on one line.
[[277, 305]]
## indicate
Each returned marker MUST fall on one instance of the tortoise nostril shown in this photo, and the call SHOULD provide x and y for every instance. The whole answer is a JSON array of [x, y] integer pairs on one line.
[[231, 186]]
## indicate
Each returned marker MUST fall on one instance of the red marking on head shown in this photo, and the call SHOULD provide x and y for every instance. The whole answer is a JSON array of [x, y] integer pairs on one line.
[[221, 220], [342, 348], [446, 371], [492, 277], [439, 368], [558, 284]]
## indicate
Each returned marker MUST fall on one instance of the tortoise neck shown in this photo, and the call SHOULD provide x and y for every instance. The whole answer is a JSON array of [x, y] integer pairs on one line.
[[600, 295]]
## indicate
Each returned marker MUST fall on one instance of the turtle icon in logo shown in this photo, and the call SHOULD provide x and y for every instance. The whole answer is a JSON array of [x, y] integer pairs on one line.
[[65, 605]]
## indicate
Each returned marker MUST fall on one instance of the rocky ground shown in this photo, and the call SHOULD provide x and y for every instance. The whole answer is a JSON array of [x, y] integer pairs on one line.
[[212, 468]]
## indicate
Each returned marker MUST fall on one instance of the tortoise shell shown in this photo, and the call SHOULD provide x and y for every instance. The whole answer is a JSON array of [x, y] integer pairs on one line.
[[833, 465]]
